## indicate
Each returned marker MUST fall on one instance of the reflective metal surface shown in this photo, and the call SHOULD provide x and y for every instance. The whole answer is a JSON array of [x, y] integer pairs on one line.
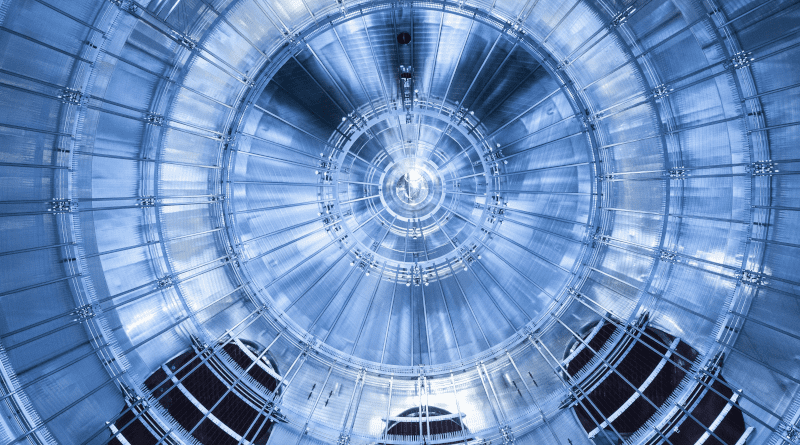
[[430, 220]]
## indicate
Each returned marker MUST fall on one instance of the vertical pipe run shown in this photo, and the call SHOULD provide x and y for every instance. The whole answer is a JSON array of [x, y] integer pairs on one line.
[[491, 385], [350, 403], [458, 409], [427, 411], [358, 402], [488, 397], [421, 387], [388, 407]]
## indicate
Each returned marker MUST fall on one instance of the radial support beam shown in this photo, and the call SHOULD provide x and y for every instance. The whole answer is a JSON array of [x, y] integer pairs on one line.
[[515, 269], [480, 282], [323, 275], [344, 305], [427, 327], [388, 408], [278, 207], [369, 309], [469, 306], [389, 323], [288, 243], [447, 311], [285, 229], [377, 65], [357, 403], [464, 437]]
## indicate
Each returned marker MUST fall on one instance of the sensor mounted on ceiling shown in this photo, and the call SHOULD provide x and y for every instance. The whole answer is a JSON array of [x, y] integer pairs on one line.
[[404, 38]]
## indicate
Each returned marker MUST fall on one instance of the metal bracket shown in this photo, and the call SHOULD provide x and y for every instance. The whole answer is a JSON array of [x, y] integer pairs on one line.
[[508, 435], [154, 119], [669, 256], [742, 59], [621, 17], [72, 96], [185, 41], [62, 206], [763, 168], [569, 400], [751, 278], [291, 38], [83, 313], [677, 173], [165, 282], [792, 432], [147, 201], [661, 91], [229, 143], [342, 8], [358, 120], [232, 259], [126, 5], [602, 239], [589, 121]]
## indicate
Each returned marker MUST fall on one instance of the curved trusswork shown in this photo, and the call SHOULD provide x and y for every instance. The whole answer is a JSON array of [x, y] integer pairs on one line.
[[209, 395], [386, 193], [621, 388], [423, 421]]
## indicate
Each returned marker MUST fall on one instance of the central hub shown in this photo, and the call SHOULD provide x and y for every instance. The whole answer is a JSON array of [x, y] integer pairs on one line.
[[411, 188]]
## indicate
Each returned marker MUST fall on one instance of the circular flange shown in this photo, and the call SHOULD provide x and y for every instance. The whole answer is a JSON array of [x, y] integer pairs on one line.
[[412, 188], [483, 206]]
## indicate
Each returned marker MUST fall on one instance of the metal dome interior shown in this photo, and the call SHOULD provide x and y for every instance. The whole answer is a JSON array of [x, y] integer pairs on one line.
[[555, 222]]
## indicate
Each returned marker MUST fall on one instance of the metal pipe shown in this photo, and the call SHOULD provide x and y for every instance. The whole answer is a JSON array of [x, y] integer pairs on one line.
[[458, 410]]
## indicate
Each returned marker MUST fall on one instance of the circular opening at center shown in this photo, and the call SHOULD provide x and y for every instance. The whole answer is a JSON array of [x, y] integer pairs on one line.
[[412, 188]]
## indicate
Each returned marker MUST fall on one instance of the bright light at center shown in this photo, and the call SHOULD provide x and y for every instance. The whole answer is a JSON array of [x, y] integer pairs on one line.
[[412, 188]]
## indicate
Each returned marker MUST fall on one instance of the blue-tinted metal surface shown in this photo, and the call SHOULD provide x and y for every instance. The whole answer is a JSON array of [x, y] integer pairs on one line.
[[212, 168]]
